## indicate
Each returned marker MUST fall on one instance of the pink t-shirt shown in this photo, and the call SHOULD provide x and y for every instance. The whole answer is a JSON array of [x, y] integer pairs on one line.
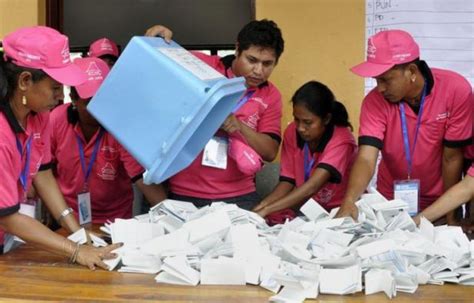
[[336, 153], [12, 163], [262, 113], [110, 181], [446, 121]]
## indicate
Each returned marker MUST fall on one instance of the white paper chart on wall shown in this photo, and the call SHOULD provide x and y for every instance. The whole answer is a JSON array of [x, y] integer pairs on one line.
[[443, 29]]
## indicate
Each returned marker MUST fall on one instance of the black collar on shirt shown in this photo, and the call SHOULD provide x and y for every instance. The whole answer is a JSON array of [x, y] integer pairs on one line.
[[72, 115], [327, 135], [12, 121], [227, 62]]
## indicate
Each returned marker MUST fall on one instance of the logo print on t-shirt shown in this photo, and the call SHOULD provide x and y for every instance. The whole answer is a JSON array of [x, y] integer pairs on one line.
[[108, 172], [324, 195], [252, 121]]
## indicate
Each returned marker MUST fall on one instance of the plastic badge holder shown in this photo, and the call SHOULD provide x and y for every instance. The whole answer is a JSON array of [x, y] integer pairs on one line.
[[163, 105]]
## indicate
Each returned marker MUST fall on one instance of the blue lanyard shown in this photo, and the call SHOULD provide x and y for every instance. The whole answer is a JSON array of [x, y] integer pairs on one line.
[[94, 154], [26, 169], [243, 100], [406, 142], [308, 163]]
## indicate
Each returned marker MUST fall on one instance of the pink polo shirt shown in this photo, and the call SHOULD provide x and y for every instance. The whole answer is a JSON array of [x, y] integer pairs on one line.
[[262, 113], [110, 181], [336, 153], [446, 121], [12, 163]]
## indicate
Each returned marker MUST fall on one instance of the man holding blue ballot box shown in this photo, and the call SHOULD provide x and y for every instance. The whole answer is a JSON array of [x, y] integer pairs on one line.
[[225, 170]]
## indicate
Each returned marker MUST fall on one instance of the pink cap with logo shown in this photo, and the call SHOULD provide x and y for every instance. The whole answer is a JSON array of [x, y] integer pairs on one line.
[[44, 48], [385, 50], [103, 47], [96, 71], [248, 160]]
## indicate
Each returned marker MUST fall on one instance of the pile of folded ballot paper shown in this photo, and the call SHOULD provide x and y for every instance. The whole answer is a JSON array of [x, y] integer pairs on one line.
[[221, 244]]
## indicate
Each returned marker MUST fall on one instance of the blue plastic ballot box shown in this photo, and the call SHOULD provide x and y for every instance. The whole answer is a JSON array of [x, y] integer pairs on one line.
[[163, 105]]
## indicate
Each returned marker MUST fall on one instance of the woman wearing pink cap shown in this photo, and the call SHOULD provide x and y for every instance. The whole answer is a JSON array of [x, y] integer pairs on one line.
[[317, 154], [33, 68], [419, 118], [104, 49], [89, 162]]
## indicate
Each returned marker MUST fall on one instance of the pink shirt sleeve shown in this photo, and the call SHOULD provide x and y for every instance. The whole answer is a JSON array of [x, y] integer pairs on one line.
[[132, 167], [459, 124], [339, 152], [288, 152], [8, 185], [373, 117]]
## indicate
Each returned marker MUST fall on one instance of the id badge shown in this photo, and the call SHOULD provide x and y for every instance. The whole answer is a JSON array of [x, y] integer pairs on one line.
[[408, 191], [84, 207], [215, 153], [10, 242]]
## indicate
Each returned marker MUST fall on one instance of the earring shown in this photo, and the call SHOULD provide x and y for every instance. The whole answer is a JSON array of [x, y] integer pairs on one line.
[[23, 100], [73, 104]]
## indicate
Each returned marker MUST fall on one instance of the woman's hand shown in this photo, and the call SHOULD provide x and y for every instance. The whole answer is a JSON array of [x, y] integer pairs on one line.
[[92, 256], [160, 30]]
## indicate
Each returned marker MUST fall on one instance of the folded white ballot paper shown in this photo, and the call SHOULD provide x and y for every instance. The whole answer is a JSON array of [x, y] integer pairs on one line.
[[340, 281], [313, 210], [377, 280], [209, 224], [223, 271], [179, 269]]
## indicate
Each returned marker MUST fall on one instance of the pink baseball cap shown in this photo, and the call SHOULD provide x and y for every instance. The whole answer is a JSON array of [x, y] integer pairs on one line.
[[103, 47], [44, 48], [385, 50], [96, 71], [247, 159]]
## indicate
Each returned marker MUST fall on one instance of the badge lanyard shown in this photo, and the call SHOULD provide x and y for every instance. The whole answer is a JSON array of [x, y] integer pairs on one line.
[[409, 153], [308, 162], [26, 169], [87, 171], [243, 100]]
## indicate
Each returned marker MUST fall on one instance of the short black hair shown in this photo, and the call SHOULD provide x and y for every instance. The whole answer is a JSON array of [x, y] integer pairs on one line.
[[264, 33], [417, 62]]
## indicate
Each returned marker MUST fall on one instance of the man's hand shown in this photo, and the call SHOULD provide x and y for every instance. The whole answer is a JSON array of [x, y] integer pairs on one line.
[[160, 30], [348, 209], [231, 124]]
